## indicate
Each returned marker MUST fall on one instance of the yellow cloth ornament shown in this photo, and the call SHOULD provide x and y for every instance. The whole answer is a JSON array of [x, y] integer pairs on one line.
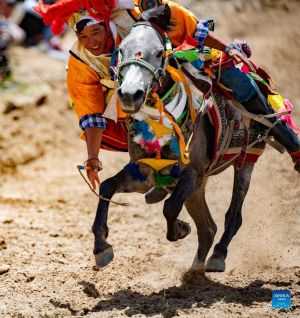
[[159, 129], [276, 102], [157, 164], [214, 54]]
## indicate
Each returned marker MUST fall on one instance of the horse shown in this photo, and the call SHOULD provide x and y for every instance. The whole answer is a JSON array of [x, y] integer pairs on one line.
[[142, 70]]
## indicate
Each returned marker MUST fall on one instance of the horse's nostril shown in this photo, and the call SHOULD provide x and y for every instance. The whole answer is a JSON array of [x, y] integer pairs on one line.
[[138, 95], [120, 92]]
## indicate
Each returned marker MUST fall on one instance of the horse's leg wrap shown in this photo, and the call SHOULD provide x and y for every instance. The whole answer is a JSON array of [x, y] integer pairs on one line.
[[233, 218], [177, 229], [121, 182]]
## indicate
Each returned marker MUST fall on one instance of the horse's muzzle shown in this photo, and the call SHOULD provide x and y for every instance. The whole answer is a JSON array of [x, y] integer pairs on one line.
[[131, 102]]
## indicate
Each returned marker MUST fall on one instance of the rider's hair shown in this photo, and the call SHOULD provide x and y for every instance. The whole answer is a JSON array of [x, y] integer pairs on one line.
[[82, 24]]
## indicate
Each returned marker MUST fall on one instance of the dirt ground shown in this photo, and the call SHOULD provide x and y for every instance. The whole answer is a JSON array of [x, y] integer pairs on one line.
[[46, 261]]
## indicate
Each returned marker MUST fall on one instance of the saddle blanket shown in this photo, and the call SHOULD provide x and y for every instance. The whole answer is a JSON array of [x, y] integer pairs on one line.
[[234, 134]]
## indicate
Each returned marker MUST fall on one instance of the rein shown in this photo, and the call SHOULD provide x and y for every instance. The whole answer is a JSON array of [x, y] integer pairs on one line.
[[81, 167]]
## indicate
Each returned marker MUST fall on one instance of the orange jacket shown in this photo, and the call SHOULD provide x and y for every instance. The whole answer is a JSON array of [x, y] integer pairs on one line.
[[85, 89], [185, 22]]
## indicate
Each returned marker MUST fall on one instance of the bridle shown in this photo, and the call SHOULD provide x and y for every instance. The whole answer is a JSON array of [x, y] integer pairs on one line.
[[157, 73]]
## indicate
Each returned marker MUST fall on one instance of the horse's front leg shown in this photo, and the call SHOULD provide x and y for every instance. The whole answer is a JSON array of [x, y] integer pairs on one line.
[[121, 182], [177, 229]]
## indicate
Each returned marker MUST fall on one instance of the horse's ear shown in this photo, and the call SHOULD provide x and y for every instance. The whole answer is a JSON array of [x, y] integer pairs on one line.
[[160, 15], [167, 14]]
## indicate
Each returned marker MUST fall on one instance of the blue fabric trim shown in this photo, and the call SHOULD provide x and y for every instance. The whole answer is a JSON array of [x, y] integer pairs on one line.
[[133, 169], [174, 146], [201, 33], [175, 171], [113, 64], [92, 120]]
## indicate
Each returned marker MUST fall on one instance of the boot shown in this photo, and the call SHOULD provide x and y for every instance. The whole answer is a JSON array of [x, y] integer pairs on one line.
[[281, 132]]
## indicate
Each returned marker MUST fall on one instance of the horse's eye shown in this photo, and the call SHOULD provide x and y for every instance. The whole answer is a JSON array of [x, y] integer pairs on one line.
[[159, 54]]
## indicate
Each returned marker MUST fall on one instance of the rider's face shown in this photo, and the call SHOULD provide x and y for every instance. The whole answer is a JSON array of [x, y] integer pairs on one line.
[[93, 38]]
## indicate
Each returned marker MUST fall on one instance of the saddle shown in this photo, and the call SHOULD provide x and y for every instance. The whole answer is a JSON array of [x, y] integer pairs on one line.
[[237, 137]]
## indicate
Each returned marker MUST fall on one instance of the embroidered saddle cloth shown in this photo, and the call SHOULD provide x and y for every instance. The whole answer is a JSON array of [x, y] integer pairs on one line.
[[236, 137]]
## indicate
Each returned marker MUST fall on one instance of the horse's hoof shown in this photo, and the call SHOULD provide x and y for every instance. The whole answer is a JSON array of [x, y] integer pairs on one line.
[[183, 229], [215, 265], [104, 258], [155, 195]]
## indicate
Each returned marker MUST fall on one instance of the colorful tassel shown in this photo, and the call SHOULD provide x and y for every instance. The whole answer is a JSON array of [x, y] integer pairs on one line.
[[288, 118], [162, 181]]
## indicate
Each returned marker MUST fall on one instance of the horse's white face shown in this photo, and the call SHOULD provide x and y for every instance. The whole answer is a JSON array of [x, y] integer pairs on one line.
[[144, 43]]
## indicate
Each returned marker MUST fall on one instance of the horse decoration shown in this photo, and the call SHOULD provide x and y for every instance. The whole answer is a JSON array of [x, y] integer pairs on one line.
[[177, 137]]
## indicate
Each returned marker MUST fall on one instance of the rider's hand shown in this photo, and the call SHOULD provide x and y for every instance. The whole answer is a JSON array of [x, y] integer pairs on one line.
[[95, 166], [239, 57]]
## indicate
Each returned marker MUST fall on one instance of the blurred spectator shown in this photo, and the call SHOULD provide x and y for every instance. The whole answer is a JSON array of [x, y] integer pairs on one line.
[[36, 33], [33, 25], [9, 33]]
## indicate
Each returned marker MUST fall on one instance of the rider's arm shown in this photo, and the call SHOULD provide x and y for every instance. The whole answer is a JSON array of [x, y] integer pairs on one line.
[[186, 24], [93, 136], [213, 41], [86, 92]]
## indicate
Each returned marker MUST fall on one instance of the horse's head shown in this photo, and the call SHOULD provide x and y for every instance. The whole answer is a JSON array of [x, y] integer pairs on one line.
[[141, 58]]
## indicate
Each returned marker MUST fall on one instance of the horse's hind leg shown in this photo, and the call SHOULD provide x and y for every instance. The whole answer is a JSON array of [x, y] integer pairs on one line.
[[233, 218], [177, 229], [206, 227], [121, 182]]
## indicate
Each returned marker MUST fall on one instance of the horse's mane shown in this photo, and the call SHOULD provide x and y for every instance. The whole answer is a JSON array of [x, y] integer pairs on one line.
[[160, 15]]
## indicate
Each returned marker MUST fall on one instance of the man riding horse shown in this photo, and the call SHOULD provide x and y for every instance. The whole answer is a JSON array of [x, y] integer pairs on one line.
[[98, 26]]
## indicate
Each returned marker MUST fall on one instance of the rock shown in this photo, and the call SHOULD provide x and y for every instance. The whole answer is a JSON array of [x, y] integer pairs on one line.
[[4, 269], [23, 95], [2, 244]]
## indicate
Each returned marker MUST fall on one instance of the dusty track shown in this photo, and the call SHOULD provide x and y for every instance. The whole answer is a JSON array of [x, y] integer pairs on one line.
[[47, 211]]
